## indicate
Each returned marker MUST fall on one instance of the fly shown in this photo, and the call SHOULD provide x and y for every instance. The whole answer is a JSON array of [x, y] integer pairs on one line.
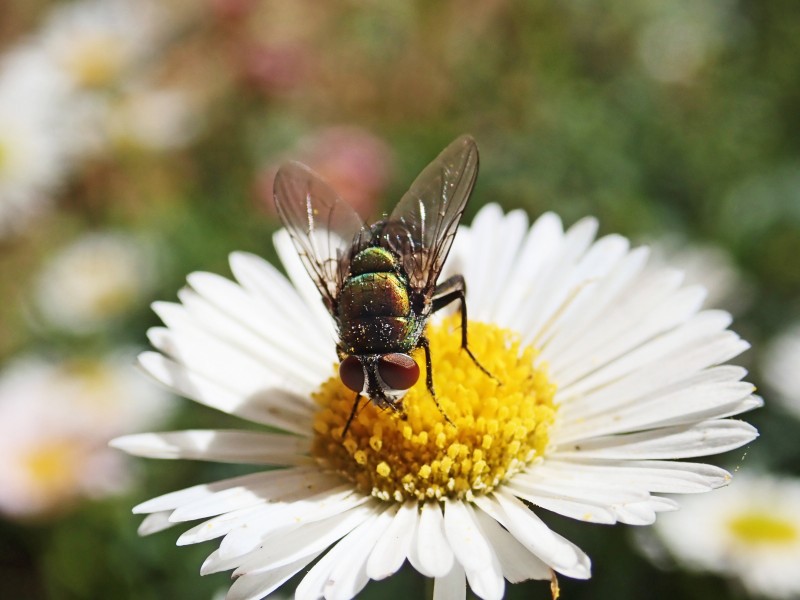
[[379, 282]]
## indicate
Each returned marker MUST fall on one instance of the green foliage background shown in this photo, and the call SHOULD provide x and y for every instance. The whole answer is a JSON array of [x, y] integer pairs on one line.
[[568, 118]]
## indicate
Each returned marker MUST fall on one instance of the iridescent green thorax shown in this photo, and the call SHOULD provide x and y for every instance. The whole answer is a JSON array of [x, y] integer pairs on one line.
[[373, 260], [374, 310]]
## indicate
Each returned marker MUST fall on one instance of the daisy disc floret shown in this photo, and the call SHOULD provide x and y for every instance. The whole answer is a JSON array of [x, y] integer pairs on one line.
[[610, 376]]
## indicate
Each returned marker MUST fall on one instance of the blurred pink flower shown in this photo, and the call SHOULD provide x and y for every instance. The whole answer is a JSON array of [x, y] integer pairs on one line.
[[356, 163], [232, 9], [275, 68]]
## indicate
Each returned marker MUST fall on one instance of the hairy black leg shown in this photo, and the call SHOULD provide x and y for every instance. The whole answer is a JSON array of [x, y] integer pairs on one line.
[[352, 414], [455, 288], [423, 341]]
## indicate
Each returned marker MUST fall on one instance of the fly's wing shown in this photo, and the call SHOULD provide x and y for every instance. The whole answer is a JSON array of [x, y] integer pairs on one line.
[[322, 226], [422, 226]]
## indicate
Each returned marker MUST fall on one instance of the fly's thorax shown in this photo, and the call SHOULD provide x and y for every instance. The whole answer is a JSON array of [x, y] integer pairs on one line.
[[373, 260]]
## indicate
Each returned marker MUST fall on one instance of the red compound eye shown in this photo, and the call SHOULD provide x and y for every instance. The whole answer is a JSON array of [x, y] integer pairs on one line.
[[352, 373], [398, 371]]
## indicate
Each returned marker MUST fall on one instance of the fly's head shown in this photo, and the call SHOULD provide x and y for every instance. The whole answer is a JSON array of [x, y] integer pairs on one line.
[[384, 378]]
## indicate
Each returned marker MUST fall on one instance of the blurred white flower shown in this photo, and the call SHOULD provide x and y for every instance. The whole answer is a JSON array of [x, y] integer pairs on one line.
[[33, 147], [781, 368], [96, 47], [749, 531], [55, 423], [152, 119], [97, 42], [95, 280], [709, 266], [681, 37]]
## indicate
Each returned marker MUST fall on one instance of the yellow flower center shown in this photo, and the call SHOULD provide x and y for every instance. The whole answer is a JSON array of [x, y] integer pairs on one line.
[[757, 528], [498, 428], [94, 60], [53, 467], [3, 154]]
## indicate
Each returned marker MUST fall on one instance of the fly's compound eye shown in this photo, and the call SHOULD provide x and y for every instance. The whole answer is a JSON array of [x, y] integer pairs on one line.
[[352, 373], [398, 371]]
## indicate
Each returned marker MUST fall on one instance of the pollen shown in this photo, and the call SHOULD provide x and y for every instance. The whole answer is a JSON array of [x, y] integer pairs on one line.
[[498, 424]]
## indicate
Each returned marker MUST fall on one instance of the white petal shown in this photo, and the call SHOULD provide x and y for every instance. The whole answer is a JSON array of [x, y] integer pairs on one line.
[[231, 359], [258, 585], [560, 554], [298, 540], [240, 306], [266, 284], [272, 485], [245, 447], [314, 584], [690, 404], [392, 548], [430, 554], [173, 500], [349, 577], [654, 476], [269, 338], [490, 262], [687, 341], [672, 375], [702, 439], [473, 551], [574, 509], [155, 522], [532, 260], [303, 284], [516, 560], [288, 512], [600, 492], [274, 407], [596, 297], [452, 586], [630, 338], [630, 306], [200, 322], [561, 284], [219, 525]]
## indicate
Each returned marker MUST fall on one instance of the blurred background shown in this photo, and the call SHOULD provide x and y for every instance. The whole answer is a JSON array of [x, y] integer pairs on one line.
[[138, 141]]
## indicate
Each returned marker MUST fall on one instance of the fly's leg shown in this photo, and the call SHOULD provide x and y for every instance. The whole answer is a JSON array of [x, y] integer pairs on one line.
[[455, 288], [423, 341], [352, 414]]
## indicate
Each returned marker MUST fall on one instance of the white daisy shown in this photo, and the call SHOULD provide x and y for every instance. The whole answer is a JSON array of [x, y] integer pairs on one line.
[[95, 43], [609, 373], [55, 422], [152, 118], [749, 531], [781, 367], [33, 147], [94, 280]]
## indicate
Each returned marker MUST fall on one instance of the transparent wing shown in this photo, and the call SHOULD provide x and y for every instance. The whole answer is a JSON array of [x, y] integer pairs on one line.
[[322, 226], [422, 226]]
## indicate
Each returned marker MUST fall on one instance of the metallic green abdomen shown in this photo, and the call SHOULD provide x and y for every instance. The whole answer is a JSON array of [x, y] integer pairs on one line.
[[373, 295], [374, 308]]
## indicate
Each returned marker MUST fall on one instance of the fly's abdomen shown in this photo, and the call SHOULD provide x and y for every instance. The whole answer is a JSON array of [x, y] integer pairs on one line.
[[377, 335]]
